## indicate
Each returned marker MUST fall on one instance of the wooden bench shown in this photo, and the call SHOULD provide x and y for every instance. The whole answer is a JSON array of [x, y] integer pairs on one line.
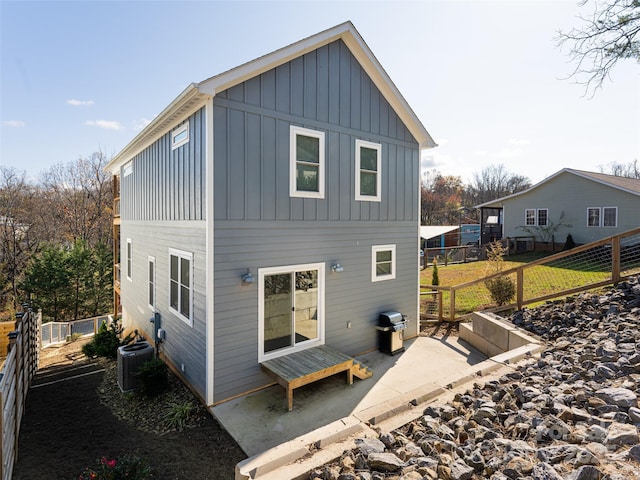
[[307, 366]]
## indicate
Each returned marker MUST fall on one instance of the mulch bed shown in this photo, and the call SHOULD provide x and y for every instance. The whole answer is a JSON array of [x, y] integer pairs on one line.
[[67, 428]]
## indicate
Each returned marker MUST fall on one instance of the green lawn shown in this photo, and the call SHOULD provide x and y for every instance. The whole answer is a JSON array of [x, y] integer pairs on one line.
[[539, 280]]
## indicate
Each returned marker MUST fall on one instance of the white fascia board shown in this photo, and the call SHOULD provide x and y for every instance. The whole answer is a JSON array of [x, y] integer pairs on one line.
[[189, 101]]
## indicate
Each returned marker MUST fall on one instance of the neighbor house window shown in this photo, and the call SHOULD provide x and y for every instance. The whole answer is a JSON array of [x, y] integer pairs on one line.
[[152, 282], [593, 216], [306, 151], [530, 216], [368, 178], [180, 136], [383, 262], [127, 169], [539, 217], [181, 284], [543, 217], [129, 264], [610, 216]]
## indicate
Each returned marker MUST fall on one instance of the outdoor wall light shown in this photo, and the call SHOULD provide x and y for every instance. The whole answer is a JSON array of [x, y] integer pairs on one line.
[[337, 268], [247, 278]]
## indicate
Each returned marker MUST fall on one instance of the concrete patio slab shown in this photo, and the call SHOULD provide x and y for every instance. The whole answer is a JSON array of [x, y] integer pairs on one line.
[[260, 421]]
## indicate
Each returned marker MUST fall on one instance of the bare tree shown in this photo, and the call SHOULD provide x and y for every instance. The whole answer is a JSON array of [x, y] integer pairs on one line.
[[18, 232], [608, 35], [80, 197], [628, 170], [493, 182]]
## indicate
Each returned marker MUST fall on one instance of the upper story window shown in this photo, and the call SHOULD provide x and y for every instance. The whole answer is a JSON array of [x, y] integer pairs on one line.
[[127, 169], [383, 262], [368, 177], [181, 285], [306, 152], [536, 217], [602, 217], [180, 136]]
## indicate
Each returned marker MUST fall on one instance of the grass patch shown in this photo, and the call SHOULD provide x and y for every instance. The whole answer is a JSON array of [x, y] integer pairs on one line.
[[539, 280]]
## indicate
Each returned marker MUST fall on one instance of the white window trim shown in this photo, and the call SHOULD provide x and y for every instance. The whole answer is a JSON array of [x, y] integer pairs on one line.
[[535, 217], [127, 168], [128, 267], [151, 283], [599, 217], [378, 148], [184, 128], [602, 216], [381, 248], [188, 256], [293, 188], [262, 272]]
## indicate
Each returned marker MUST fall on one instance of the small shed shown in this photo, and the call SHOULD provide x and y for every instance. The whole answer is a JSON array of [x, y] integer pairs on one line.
[[437, 236]]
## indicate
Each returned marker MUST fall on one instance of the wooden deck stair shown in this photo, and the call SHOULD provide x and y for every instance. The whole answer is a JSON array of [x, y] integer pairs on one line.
[[360, 370]]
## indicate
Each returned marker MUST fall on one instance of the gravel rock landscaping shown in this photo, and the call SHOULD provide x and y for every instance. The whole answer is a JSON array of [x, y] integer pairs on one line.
[[571, 414]]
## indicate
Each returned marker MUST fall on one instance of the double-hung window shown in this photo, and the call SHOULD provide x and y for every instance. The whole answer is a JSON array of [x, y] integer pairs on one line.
[[368, 171], [536, 217], [307, 163], [383, 262], [602, 216], [181, 285], [609, 216], [530, 216]]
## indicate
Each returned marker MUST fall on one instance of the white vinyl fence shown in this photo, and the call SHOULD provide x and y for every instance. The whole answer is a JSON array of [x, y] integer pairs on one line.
[[53, 333]]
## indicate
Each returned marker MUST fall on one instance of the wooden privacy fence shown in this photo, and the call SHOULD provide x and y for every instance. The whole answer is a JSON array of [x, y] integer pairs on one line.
[[19, 368], [587, 267]]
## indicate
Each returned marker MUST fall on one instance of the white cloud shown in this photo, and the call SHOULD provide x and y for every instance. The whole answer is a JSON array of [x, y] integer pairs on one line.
[[480, 153], [80, 103], [13, 123], [106, 124], [509, 153], [518, 141], [141, 123]]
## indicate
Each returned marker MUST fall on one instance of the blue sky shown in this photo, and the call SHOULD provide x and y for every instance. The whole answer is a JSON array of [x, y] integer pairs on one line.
[[485, 78]]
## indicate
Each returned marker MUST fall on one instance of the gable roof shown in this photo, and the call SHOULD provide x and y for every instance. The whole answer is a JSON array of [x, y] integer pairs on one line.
[[629, 185], [196, 94]]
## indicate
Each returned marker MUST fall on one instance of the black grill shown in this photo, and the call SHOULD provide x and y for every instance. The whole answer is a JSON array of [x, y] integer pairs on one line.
[[391, 326]]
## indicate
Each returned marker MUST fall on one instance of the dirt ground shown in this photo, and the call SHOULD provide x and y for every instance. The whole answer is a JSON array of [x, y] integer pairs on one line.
[[66, 429]]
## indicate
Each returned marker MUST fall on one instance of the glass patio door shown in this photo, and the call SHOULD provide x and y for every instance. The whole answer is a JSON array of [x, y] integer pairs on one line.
[[291, 313]]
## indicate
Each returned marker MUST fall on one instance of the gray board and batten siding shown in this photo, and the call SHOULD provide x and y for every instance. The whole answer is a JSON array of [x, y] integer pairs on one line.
[[168, 184], [258, 224]]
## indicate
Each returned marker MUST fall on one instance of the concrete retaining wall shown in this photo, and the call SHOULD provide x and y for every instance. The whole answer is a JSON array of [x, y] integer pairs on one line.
[[493, 336]]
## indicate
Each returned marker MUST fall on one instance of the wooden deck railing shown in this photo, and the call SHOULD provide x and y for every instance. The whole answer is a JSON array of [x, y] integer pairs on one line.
[[587, 267]]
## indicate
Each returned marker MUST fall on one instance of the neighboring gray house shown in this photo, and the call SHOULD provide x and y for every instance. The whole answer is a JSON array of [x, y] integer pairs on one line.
[[595, 205], [271, 208]]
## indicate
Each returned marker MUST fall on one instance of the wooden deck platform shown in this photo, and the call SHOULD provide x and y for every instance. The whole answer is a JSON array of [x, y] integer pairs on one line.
[[307, 366]]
